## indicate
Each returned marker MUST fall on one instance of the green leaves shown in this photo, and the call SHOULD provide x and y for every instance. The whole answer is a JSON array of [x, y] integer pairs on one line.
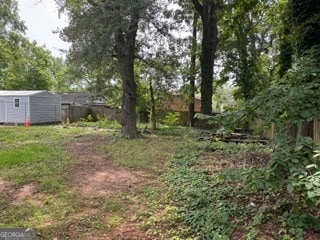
[[25, 66], [290, 105], [290, 188], [247, 29], [10, 22]]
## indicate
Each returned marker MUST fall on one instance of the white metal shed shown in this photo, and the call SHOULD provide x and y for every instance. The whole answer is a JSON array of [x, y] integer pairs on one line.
[[35, 107]]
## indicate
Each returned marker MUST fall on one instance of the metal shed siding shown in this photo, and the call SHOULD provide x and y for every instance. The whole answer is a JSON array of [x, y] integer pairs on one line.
[[2, 110], [17, 114], [44, 107]]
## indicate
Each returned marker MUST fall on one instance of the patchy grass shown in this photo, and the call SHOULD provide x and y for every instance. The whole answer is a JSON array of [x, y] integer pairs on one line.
[[35, 155], [168, 186], [35, 167], [146, 153], [14, 136]]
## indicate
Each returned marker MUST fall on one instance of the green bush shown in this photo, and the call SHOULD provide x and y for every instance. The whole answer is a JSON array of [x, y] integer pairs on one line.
[[102, 122], [172, 119]]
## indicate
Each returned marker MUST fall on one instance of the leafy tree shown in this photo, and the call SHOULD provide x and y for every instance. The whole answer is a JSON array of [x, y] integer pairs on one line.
[[10, 29], [103, 30], [10, 22], [291, 104], [29, 68], [247, 34], [110, 37], [306, 20], [23, 64], [186, 15], [115, 33], [207, 10], [64, 76], [159, 76]]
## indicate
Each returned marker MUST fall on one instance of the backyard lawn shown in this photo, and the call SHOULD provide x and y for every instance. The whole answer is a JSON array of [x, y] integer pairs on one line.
[[85, 183], [89, 183]]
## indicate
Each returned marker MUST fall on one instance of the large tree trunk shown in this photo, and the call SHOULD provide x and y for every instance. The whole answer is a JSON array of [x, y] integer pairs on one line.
[[125, 49], [208, 13], [193, 70], [129, 96], [286, 44]]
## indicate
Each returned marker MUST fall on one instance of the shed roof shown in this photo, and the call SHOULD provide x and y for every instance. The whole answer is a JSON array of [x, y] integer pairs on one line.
[[81, 98], [20, 93]]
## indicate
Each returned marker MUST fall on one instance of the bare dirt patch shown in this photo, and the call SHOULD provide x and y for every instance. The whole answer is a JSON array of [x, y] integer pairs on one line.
[[18, 195], [109, 182], [94, 175], [4, 185], [129, 232], [29, 193]]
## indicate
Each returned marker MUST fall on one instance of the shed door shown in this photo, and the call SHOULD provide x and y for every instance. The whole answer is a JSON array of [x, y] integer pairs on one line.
[[2, 110]]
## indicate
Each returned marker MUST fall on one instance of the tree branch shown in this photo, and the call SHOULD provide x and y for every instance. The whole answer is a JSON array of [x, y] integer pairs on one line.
[[93, 3], [197, 6], [140, 58]]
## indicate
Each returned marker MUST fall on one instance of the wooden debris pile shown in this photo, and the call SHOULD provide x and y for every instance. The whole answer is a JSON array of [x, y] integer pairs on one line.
[[233, 137]]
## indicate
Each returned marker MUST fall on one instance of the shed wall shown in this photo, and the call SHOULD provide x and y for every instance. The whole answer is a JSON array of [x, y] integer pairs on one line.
[[2, 110], [16, 113], [44, 108]]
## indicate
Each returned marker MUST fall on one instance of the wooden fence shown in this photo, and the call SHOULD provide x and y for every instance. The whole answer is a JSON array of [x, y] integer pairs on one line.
[[71, 113], [272, 131]]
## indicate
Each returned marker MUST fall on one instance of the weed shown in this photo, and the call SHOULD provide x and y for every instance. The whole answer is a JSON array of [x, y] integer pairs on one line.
[[112, 222], [112, 204], [3, 203], [252, 234], [91, 221], [148, 153], [231, 148], [207, 201]]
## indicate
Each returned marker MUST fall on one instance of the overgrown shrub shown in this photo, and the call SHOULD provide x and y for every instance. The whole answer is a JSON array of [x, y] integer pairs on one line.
[[172, 119], [290, 104]]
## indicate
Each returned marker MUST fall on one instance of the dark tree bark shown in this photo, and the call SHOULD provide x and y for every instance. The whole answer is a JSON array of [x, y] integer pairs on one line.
[[125, 49], [193, 70], [286, 49], [153, 108], [208, 13], [305, 14], [129, 96]]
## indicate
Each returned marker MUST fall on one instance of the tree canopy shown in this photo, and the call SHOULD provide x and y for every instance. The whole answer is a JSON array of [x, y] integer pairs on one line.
[[23, 64]]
